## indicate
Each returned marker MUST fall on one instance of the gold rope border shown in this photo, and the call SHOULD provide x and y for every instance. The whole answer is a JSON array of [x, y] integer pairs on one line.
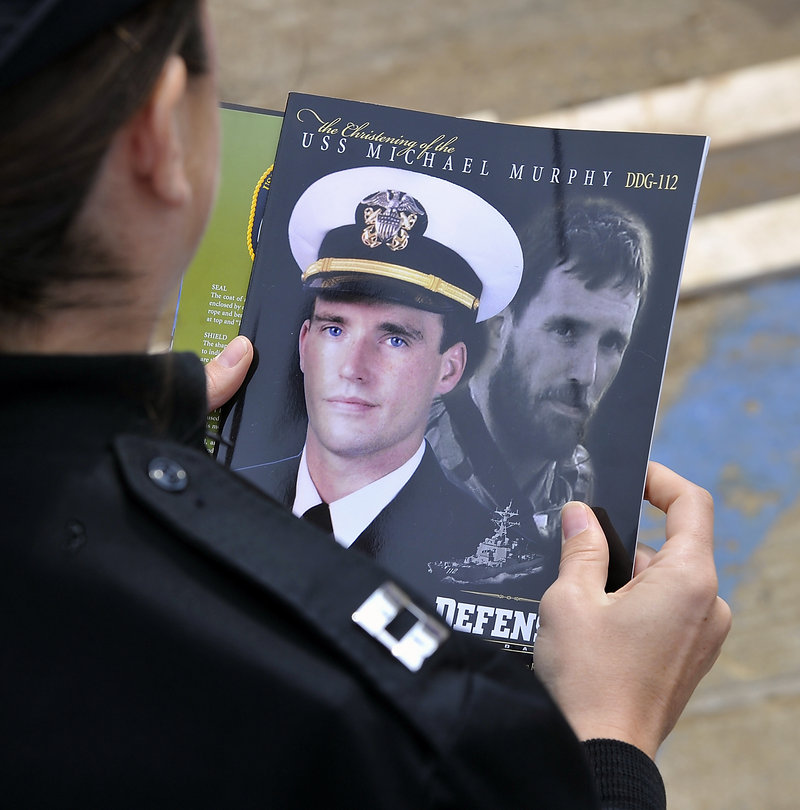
[[396, 271], [263, 181]]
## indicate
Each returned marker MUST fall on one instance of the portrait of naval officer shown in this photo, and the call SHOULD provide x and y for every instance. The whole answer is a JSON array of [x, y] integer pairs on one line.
[[520, 425], [399, 267]]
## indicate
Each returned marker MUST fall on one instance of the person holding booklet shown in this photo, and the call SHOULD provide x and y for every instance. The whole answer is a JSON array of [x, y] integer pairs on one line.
[[397, 282], [172, 637]]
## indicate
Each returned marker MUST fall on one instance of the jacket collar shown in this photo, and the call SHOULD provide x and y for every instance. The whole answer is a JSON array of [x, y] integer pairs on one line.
[[83, 398]]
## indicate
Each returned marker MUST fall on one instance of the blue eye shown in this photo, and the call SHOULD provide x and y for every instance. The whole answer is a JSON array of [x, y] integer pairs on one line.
[[397, 342], [333, 331]]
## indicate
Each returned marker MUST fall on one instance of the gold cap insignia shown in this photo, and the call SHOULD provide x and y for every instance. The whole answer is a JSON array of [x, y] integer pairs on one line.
[[389, 216]]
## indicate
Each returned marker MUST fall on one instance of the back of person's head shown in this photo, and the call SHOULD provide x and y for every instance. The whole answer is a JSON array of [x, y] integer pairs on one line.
[[597, 240], [58, 122]]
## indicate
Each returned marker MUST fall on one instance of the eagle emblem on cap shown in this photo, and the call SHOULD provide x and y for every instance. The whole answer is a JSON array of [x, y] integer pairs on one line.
[[389, 216]]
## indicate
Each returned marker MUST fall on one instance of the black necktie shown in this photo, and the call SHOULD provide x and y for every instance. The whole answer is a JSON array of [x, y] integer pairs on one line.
[[320, 516]]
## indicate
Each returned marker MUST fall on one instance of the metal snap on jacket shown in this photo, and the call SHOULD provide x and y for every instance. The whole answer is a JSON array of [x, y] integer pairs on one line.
[[167, 474]]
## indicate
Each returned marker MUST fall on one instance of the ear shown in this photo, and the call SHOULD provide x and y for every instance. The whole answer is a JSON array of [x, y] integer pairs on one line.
[[454, 361], [302, 342], [498, 329], [157, 137]]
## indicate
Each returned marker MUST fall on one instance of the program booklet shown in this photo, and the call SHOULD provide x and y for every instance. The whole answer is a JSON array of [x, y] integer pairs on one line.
[[213, 289], [460, 326]]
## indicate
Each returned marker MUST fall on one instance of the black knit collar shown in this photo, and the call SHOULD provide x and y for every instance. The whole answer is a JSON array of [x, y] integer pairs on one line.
[[87, 398]]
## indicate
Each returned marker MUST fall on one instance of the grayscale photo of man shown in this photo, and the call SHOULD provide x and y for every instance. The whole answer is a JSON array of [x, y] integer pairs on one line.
[[515, 432]]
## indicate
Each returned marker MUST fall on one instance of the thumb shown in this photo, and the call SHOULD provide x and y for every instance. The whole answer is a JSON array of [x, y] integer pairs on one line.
[[584, 549], [226, 372]]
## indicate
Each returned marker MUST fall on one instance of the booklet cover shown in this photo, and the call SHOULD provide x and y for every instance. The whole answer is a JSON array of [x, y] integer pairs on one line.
[[213, 289], [459, 326]]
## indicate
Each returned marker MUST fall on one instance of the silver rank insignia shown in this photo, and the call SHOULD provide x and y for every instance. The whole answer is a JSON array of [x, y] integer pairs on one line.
[[417, 642]]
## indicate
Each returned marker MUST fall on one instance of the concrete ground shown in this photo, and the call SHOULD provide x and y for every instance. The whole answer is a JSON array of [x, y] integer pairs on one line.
[[728, 416], [729, 419]]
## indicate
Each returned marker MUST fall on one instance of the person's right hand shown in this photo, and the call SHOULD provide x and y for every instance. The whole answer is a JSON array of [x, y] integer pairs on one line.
[[623, 665], [226, 372]]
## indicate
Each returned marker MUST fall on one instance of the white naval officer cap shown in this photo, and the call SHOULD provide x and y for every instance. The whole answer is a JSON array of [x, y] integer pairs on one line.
[[407, 237]]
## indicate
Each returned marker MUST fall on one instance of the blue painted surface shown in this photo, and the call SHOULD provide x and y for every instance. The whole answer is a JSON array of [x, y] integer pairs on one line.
[[736, 427]]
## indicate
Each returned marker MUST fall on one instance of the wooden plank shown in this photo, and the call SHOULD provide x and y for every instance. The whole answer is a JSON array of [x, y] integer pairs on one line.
[[731, 107], [742, 244]]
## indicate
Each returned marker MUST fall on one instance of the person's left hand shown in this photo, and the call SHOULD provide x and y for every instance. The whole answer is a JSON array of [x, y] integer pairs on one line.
[[623, 665], [226, 372]]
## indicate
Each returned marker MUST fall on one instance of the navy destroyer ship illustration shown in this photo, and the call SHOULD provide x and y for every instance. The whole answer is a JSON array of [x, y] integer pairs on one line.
[[500, 557]]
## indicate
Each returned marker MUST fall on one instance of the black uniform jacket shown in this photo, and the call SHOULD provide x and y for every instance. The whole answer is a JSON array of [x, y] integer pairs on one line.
[[428, 520], [170, 638]]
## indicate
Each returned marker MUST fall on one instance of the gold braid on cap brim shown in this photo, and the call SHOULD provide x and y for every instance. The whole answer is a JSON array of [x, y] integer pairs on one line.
[[425, 280]]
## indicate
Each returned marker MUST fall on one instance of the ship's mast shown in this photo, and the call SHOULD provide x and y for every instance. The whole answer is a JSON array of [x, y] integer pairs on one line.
[[503, 522]]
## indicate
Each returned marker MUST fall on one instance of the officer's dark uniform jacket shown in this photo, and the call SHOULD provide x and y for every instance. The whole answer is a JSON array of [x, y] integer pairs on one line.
[[429, 519], [172, 639]]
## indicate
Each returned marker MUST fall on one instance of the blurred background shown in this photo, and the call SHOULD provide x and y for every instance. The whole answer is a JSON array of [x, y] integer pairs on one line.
[[729, 416]]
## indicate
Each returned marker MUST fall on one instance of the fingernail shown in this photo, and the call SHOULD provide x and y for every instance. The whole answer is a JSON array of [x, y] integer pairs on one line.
[[574, 519], [233, 353]]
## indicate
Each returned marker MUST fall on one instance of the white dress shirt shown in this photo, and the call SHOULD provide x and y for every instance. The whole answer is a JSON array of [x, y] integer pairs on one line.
[[353, 513]]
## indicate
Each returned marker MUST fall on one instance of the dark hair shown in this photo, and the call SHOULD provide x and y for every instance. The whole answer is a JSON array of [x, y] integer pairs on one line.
[[57, 127], [605, 245]]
